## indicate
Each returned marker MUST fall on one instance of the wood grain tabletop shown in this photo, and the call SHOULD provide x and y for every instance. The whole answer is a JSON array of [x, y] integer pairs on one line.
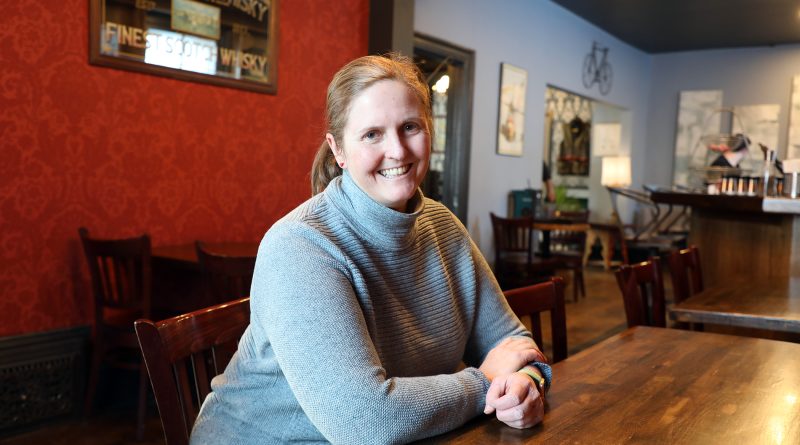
[[772, 304], [663, 386]]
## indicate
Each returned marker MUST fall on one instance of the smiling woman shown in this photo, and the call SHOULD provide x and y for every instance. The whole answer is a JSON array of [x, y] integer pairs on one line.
[[360, 78], [368, 298], [386, 152]]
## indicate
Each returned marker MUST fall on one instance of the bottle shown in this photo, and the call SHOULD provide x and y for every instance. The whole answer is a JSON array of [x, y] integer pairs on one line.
[[769, 173]]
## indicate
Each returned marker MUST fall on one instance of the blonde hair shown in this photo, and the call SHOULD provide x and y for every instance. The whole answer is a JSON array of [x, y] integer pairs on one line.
[[347, 84]]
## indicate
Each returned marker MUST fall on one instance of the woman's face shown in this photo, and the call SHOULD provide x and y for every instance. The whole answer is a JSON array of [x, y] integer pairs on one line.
[[386, 147]]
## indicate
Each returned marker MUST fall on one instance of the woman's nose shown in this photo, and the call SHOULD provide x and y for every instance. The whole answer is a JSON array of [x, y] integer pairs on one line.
[[396, 147]]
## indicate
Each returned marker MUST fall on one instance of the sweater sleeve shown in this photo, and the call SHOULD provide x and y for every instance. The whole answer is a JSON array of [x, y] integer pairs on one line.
[[494, 319], [303, 298]]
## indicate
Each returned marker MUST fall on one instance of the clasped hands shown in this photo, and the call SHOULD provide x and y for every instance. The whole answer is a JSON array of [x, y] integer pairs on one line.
[[513, 396]]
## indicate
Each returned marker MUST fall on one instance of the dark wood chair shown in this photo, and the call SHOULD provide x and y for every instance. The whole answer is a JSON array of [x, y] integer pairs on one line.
[[183, 354], [535, 299], [642, 289], [121, 279], [228, 277], [515, 264], [569, 247], [686, 273]]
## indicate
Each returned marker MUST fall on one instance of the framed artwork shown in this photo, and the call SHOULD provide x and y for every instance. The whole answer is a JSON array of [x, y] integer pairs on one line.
[[698, 114], [511, 116], [607, 139], [793, 145], [221, 42]]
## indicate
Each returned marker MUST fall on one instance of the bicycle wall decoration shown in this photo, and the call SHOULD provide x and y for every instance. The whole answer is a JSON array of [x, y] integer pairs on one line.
[[596, 69]]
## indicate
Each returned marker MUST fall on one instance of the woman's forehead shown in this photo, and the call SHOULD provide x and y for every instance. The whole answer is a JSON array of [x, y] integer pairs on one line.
[[384, 100]]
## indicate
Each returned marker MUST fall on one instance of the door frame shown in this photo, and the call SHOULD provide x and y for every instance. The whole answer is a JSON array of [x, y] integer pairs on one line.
[[458, 146]]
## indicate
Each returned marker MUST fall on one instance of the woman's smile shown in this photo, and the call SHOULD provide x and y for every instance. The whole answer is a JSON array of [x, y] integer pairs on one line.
[[394, 172]]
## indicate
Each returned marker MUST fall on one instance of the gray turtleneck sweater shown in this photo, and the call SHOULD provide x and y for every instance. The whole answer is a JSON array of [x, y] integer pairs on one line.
[[360, 319]]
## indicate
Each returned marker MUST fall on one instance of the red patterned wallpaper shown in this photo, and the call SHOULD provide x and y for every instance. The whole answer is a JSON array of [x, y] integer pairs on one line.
[[124, 153]]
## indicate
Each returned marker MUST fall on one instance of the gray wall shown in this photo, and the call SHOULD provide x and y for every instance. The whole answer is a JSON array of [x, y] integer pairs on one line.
[[550, 43], [746, 76]]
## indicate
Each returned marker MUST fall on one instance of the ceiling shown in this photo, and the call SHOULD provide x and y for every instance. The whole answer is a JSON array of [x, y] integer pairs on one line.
[[658, 26]]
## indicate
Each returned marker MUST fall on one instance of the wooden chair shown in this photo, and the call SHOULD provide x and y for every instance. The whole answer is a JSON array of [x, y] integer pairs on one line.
[[514, 264], [569, 247], [228, 277], [686, 273], [535, 299], [121, 279], [643, 293], [183, 354]]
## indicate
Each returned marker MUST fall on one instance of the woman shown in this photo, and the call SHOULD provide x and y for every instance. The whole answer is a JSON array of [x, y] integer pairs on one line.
[[367, 297]]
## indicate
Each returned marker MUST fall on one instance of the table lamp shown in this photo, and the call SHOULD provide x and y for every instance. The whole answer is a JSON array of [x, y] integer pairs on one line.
[[615, 176]]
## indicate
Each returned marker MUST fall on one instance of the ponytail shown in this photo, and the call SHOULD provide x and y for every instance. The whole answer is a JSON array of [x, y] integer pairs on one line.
[[324, 168]]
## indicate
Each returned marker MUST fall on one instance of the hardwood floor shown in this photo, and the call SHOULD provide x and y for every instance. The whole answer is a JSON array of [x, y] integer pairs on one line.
[[590, 320], [593, 318]]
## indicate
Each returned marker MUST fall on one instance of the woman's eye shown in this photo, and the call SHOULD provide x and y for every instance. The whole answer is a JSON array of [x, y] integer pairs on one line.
[[411, 127], [371, 135]]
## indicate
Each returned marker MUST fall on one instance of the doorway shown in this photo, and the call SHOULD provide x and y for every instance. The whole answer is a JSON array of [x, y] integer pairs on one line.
[[578, 132], [449, 71]]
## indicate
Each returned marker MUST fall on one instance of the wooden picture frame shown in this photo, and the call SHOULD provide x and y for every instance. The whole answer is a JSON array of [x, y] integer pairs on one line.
[[511, 113], [219, 42]]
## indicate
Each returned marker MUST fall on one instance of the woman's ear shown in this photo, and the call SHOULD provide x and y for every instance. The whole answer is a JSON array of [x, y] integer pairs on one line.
[[338, 153]]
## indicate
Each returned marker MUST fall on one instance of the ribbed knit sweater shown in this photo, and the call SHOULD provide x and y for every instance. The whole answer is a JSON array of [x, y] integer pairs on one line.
[[360, 319]]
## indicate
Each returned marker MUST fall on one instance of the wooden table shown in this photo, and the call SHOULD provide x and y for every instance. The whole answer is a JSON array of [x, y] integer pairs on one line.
[[546, 225], [178, 284], [663, 386], [772, 304], [608, 232], [186, 255]]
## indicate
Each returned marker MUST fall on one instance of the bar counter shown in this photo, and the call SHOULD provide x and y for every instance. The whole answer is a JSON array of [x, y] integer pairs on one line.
[[742, 236]]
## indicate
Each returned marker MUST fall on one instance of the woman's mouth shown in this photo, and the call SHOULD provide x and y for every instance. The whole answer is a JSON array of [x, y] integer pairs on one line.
[[394, 172]]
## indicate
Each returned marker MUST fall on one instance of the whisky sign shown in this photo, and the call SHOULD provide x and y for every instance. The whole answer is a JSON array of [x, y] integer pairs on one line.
[[231, 43]]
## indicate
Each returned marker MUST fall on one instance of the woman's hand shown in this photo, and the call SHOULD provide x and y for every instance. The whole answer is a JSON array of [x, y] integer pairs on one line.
[[510, 355], [516, 400]]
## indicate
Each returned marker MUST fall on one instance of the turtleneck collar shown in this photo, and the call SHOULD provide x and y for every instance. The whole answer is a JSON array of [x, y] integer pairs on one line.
[[373, 221]]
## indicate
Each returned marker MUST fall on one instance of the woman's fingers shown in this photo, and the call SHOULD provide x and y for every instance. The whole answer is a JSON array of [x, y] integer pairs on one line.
[[515, 401], [495, 392], [525, 415]]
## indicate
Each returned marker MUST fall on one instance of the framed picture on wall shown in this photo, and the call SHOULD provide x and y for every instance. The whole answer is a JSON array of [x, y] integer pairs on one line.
[[793, 146], [231, 44], [511, 114]]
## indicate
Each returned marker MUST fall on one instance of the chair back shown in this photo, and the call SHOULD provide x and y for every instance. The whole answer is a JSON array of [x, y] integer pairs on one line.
[[512, 236], [183, 354], [121, 277], [535, 299], [686, 273], [228, 277], [642, 289]]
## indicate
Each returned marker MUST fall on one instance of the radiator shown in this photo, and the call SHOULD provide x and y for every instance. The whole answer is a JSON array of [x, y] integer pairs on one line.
[[42, 377]]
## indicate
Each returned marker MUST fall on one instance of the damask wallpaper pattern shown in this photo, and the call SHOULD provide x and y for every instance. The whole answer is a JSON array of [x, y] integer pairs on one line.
[[124, 153]]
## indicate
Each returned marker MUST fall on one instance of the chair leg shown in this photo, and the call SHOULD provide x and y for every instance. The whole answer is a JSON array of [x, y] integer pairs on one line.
[[578, 287], [142, 408], [94, 375], [575, 289]]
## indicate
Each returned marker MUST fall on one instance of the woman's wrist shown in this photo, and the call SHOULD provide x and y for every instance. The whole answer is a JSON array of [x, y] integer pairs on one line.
[[540, 370], [534, 375]]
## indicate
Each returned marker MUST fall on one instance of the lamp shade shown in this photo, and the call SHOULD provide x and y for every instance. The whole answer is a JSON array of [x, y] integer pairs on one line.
[[616, 171]]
